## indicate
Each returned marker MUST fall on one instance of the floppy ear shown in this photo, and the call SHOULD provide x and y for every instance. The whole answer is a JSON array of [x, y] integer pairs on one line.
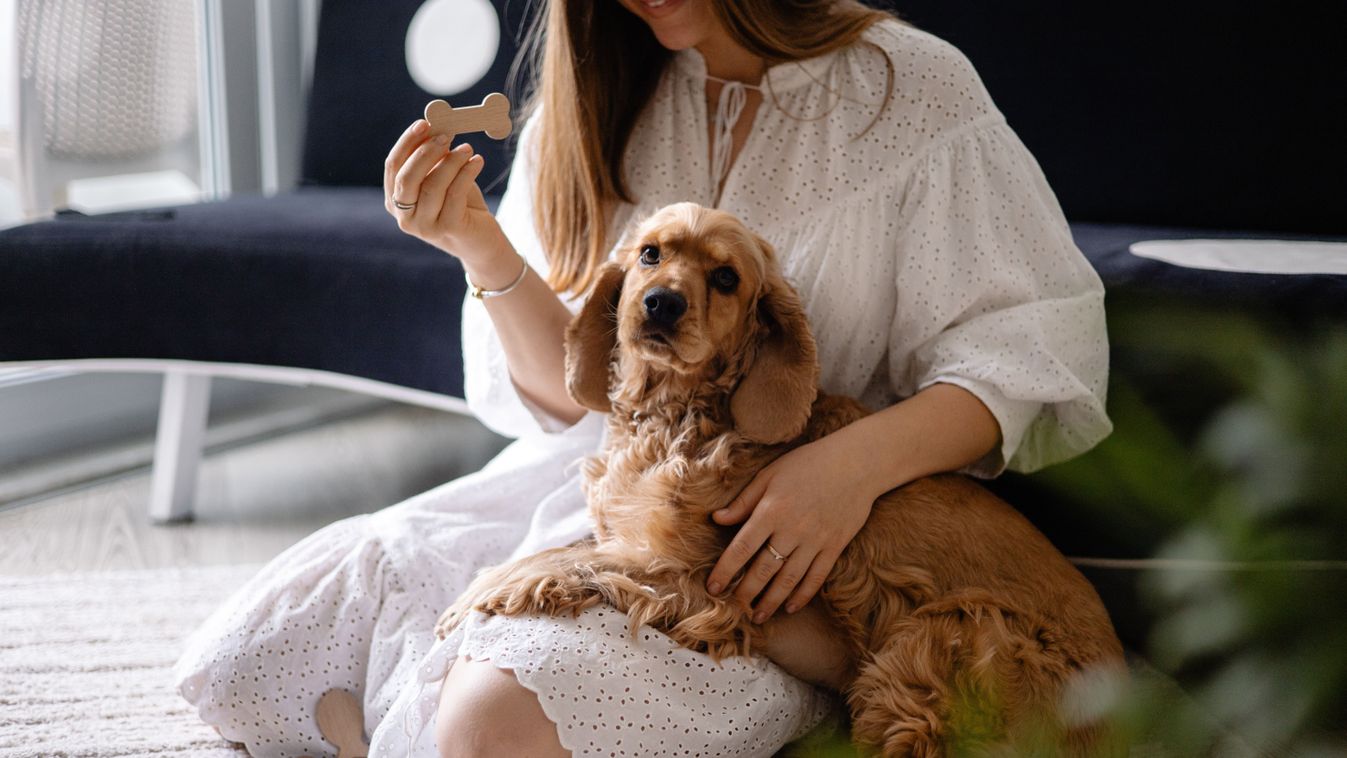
[[590, 339], [773, 401]]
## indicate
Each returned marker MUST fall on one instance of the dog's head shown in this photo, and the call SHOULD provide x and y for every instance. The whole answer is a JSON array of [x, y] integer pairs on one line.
[[698, 297]]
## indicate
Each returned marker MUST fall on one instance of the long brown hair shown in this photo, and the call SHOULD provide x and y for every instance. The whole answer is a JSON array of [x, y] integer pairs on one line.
[[594, 67]]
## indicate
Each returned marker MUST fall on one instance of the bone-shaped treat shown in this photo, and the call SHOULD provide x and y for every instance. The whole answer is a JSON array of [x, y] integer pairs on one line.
[[492, 117]]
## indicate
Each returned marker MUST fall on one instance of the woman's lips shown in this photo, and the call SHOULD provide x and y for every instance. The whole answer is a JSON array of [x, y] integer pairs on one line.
[[659, 8]]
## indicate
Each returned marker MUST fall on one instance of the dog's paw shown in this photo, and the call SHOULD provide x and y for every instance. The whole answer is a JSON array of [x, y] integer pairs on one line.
[[451, 618], [546, 595]]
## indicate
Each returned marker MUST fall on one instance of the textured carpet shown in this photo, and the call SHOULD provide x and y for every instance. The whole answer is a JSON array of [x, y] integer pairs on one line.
[[86, 658]]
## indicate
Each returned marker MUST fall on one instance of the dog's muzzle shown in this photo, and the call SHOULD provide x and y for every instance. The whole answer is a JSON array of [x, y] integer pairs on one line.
[[663, 306]]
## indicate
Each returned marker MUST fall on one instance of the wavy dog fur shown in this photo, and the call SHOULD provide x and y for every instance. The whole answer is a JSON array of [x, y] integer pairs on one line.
[[947, 597]]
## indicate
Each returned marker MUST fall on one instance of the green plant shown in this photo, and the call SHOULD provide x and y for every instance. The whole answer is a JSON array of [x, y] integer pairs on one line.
[[1250, 492]]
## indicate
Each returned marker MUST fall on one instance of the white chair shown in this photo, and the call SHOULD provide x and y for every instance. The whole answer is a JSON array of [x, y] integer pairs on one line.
[[105, 88]]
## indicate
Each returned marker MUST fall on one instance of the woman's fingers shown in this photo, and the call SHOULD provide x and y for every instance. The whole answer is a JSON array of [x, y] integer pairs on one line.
[[763, 569], [787, 579], [432, 192], [407, 183], [740, 551], [743, 504], [460, 189], [813, 581], [402, 150]]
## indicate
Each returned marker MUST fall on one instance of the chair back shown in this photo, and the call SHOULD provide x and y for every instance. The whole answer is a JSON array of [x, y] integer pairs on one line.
[[105, 88], [110, 79], [1196, 114]]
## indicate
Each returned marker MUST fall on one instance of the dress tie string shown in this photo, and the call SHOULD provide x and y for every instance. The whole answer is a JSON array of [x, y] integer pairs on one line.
[[730, 105]]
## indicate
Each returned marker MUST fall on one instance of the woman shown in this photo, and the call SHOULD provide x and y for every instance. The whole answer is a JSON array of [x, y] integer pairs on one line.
[[939, 277]]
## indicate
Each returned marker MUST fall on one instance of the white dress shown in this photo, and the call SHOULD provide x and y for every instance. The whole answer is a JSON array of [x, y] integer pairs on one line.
[[927, 248]]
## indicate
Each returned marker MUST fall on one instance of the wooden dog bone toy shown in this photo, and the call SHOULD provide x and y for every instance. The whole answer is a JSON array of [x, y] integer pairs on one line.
[[492, 117], [342, 723]]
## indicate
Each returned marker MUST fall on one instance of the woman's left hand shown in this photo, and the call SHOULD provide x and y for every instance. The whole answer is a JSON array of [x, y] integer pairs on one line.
[[807, 504]]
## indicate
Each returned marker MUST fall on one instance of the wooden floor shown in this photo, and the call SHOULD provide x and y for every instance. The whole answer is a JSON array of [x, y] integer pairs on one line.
[[253, 501]]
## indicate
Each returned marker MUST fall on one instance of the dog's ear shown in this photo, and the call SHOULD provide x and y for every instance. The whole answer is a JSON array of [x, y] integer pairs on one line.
[[773, 400], [590, 340]]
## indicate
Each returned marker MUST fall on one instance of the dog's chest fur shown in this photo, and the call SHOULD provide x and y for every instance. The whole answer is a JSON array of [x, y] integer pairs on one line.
[[663, 472]]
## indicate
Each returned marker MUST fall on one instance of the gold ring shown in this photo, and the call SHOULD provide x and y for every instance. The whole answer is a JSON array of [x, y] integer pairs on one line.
[[403, 206], [775, 554]]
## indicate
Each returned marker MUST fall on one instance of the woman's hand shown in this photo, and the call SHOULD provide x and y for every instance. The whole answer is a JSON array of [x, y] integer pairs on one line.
[[450, 212], [807, 504]]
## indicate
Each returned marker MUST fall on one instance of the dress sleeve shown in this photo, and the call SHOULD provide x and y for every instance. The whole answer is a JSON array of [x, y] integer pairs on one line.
[[995, 297], [489, 389]]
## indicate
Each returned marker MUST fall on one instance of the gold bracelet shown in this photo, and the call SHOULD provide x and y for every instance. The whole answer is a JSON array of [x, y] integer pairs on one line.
[[482, 294]]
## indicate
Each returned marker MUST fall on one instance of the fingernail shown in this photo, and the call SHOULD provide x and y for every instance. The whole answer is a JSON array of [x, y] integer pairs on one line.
[[443, 139], [475, 159], [759, 617], [420, 126], [713, 588], [792, 607]]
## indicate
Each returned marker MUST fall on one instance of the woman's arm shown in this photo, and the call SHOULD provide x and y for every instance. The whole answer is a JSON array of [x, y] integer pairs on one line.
[[531, 322], [449, 212], [941, 428]]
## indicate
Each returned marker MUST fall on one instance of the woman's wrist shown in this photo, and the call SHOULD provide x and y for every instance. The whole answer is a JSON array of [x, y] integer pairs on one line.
[[493, 269], [856, 457]]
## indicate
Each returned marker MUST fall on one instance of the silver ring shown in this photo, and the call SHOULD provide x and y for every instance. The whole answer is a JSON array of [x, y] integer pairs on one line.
[[403, 206], [775, 554]]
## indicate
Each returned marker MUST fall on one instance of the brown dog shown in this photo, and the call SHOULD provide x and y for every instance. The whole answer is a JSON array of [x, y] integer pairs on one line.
[[949, 601]]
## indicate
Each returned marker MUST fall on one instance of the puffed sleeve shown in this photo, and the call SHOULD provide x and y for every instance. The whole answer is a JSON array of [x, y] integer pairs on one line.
[[490, 391], [995, 297]]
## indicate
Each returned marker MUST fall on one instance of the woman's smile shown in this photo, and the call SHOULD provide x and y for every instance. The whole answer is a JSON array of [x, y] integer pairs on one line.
[[660, 8], [678, 24]]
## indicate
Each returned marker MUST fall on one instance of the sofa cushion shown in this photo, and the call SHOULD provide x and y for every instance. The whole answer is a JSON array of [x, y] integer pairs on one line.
[[1127, 275], [318, 278]]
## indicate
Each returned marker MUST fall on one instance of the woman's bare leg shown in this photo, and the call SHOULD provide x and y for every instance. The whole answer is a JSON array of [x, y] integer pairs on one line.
[[809, 646], [485, 711]]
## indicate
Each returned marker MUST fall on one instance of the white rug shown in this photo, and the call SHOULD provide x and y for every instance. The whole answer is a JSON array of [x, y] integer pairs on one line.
[[86, 658]]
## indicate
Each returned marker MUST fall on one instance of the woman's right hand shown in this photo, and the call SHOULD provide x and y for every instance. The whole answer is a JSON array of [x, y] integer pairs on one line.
[[450, 212]]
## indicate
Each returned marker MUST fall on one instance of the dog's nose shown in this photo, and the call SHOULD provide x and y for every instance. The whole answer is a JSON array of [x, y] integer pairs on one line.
[[664, 306]]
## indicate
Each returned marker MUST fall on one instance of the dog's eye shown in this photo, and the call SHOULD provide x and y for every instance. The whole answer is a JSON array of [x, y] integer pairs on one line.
[[724, 279], [649, 255]]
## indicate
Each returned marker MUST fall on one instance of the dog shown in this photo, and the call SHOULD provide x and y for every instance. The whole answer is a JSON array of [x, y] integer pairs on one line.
[[700, 353]]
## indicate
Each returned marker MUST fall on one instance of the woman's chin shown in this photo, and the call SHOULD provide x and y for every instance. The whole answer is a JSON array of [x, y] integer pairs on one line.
[[677, 24], [676, 39], [678, 36]]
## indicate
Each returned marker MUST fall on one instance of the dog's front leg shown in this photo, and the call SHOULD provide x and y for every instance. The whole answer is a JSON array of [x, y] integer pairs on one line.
[[549, 583], [717, 626]]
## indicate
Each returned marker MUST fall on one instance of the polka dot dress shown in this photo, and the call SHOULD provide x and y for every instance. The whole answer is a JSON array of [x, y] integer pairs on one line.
[[927, 248]]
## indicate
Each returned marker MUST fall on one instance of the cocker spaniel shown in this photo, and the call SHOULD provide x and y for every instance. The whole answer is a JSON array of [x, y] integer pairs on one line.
[[947, 599]]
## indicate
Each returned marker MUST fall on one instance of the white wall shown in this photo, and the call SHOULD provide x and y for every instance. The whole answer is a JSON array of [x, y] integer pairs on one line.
[[9, 195], [7, 72]]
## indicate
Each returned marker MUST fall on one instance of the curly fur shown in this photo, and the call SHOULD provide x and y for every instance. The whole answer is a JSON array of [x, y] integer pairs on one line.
[[961, 619]]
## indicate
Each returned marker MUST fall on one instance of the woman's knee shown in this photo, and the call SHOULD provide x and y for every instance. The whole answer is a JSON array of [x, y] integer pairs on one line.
[[485, 711]]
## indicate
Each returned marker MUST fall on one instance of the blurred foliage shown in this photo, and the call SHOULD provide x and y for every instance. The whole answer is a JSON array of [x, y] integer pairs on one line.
[[1228, 462], [1231, 438]]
